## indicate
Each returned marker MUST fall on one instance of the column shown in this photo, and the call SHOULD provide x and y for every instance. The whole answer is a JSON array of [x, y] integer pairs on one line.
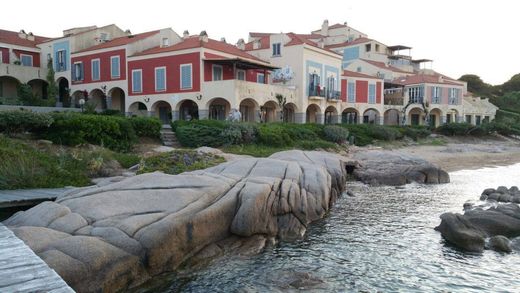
[[175, 115], [320, 118], [300, 118], [109, 102], [203, 114], [381, 120]]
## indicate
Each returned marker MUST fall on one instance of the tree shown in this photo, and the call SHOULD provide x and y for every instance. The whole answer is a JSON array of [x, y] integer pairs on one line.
[[281, 103], [476, 85], [512, 85], [52, 88]]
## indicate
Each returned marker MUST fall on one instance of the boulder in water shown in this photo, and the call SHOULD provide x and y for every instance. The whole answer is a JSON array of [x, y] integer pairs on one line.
[[500, 243]]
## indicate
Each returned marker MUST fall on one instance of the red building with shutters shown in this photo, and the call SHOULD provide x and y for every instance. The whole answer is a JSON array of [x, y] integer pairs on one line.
[[362, 98]]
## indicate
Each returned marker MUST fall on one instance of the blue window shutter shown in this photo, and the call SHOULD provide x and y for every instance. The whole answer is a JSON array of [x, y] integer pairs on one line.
[[160, 83], [186, 77], [73, 71]]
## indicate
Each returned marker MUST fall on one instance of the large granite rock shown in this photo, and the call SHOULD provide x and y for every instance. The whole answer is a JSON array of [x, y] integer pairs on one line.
[[469, 231], [117, 236], [396, 168]]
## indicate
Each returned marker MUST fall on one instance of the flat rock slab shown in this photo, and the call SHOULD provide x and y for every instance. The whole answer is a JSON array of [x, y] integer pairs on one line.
[[379, 167], [117, 236], [25, 197], [21, 270]]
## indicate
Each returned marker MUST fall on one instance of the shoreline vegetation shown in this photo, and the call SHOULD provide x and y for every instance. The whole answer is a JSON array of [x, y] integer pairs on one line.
[[70, 149]]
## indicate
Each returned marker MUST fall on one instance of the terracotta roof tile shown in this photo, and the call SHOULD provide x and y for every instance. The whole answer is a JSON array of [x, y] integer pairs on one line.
[[383, 65], [337, 25], [194, 42], [264, 44], [121, 41], [10, 37], [426, 78], [350, 43], [349, 73]]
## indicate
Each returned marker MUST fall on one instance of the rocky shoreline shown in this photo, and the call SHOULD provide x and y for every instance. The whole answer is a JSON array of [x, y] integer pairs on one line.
[[113, 237], [490, 225]]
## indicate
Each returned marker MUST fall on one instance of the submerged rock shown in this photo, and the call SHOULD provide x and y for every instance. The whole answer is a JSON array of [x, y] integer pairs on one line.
[[500, 243], [117, 236], [394, 168]]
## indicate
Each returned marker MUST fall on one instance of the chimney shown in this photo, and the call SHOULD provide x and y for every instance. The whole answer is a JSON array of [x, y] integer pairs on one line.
[[441, 78], [185, 34], [325, 28], [128, 32], [223, 40], [30, 37], [321, 43], [256, 44], [22, 34], [241, 44], [203, 36]]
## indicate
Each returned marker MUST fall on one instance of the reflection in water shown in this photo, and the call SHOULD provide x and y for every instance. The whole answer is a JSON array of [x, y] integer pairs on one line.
[[380, 240]]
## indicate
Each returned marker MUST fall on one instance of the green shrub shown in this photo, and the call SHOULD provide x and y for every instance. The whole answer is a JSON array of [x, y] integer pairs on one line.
[[452, 129], [113, 132], [14, 122], [111, 112], [414, 132], [274, 135], [179, 161], [335, 133], [127, 160], [240, 133], [146, 126], [196, 135], [316, 144], [303, 131]]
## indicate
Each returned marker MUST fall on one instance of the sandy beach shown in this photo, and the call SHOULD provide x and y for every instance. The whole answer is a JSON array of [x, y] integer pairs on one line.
[[466, 153]]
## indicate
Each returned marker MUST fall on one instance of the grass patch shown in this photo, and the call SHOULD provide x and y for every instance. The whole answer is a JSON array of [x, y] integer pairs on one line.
[[179, 161]]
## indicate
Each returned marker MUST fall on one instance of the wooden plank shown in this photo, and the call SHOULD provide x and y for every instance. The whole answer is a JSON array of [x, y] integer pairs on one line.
[[21, 270]]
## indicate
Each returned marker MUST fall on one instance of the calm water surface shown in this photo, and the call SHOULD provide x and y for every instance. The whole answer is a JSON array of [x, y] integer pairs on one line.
[[381, 240]]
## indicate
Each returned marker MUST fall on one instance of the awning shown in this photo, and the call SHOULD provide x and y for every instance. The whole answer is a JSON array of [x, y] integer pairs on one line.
[[422, 60], [398, 47], [241, 63]]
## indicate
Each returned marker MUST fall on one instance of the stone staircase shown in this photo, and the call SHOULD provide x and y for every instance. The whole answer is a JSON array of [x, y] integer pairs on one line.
[[168, 137]]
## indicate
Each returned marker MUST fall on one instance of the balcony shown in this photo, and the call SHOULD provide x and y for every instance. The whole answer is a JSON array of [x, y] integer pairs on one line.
[[24, 74], [330, 95], [394, 97], [237, 90]]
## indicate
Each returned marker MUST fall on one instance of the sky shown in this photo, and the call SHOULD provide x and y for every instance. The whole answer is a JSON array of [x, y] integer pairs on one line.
[[478, 37]]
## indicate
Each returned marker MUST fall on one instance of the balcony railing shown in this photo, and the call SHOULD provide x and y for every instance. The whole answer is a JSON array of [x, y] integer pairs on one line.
[[315, 91], [416, 100], [394, 97]]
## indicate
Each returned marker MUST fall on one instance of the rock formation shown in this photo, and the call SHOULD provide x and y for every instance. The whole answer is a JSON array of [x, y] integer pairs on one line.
[[117, 236], [394, 168], [471, 230]]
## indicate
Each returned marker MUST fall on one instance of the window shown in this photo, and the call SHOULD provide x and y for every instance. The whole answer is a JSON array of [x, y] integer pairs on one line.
[[217, 72], [26, 60], [368, 47], [95, 69], [241, 74], [358, 69], [351, 92], [478, 120], [137, 81], [260, 78], [60, 61], [1, 58], [186, 76], [436, 95], [331, 88], [1, 89], [165, 42], [77, 71], [453, 96], [468, 119], [104, 37], [160, 79], [377, 47], [141, 107], [276, 49], [114, 67], [416, 94], [371, 93]]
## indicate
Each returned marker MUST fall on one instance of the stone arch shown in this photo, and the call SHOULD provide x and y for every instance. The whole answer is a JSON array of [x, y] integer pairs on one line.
[[371, 116], [435, 118], [39, 87], [219, 108], [75, 97], [331, 115], [313, 113], [350, 116], [9, 87], [270, 112], [416, 116], [188, 110], [138, 109], [116, 99], [98, 98], [391, 117], [249, 109], [289, 111], [162, 110]]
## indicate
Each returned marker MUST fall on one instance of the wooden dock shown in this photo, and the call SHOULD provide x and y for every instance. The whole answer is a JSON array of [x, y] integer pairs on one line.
[[21, 270], [28, 197]]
